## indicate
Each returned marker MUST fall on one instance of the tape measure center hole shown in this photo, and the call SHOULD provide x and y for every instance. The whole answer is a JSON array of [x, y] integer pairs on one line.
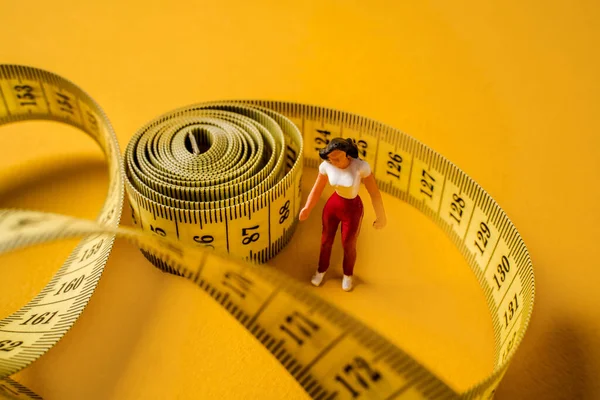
[[199, 140]]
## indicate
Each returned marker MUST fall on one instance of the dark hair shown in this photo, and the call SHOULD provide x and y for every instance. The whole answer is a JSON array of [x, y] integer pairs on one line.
[[348, 146]]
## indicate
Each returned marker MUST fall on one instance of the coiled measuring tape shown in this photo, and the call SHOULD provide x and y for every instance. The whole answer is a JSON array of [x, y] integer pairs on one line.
[[224, 178]]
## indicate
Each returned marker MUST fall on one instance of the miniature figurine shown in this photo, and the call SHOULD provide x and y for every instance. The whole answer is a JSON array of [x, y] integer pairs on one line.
[[345, 171]]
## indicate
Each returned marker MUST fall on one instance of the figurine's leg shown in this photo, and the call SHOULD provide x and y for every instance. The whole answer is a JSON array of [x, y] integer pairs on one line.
[[350, 230], [330, 226]]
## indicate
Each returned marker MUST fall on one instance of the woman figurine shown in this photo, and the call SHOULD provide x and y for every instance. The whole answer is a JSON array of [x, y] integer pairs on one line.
[[345, 171]]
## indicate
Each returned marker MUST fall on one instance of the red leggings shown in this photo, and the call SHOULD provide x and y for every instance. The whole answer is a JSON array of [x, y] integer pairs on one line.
[[349, 212]]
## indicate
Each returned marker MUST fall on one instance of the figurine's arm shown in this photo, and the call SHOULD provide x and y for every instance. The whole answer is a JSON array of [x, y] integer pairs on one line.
[[373, 190], [314, 196]]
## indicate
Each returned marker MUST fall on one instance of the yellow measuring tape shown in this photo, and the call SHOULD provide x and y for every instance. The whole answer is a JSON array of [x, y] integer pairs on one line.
[[225, 177]]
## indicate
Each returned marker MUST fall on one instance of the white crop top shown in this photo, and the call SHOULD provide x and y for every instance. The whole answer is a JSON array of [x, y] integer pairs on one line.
[[346, 182]]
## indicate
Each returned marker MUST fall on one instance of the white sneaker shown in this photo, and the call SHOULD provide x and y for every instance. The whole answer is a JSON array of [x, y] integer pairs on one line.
[[347, 283], [317, 278]]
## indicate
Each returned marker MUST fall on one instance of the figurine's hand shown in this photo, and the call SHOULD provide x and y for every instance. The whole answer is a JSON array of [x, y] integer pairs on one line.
[[380, 223], [304, 213]]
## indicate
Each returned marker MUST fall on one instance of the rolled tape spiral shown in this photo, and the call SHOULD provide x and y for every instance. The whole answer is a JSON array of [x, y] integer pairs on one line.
[[215, 185]]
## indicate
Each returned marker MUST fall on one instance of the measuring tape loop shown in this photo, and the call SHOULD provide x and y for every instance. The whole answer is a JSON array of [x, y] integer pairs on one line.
[[214, 184], [176, 191], [208, 270]]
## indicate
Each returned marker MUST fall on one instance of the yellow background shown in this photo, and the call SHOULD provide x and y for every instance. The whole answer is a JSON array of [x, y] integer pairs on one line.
[[507, 90]]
